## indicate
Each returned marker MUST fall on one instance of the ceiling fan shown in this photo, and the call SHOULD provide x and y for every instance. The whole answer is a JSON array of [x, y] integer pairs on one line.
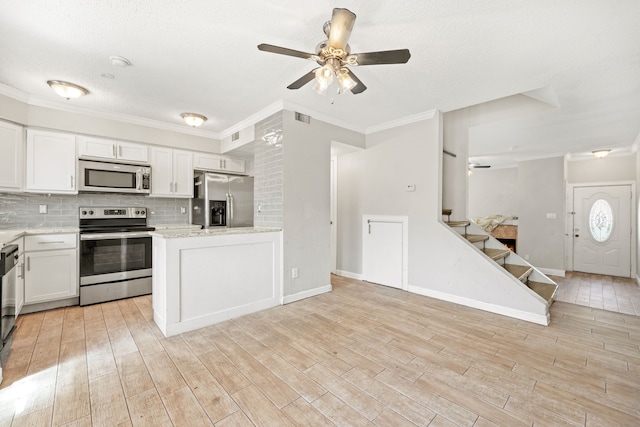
[[334, 56]]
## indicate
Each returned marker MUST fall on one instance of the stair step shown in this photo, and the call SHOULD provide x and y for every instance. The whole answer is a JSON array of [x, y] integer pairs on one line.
[[474, 238], [520, 272], [457, 223], [496, 254], [447, 211], [545, 290]]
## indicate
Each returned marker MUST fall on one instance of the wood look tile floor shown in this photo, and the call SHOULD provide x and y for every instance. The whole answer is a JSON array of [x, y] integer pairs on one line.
[[361, 355], [618, 294]]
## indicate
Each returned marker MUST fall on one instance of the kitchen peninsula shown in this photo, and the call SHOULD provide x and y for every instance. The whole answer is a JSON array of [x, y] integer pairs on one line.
[[202, 277]]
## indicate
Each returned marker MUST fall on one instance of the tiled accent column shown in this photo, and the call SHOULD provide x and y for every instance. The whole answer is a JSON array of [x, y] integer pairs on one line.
[[268, 172]]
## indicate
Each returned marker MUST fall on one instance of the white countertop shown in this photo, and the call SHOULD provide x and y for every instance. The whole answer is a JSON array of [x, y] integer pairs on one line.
[[182, 227], [7, 236], [176, 234]]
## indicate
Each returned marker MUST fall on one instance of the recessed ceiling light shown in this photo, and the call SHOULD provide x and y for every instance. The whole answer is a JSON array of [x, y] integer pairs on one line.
[[66, 89], [601, 153], [119, 61], [193, 119]]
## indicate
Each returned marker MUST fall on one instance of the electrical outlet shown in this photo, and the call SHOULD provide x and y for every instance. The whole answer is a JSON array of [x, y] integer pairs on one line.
[[294, 273], [43, 209], [526, 257], [183, 210]]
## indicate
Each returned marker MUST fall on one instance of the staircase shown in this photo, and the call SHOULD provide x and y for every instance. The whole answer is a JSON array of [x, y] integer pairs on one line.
[[521, 270]]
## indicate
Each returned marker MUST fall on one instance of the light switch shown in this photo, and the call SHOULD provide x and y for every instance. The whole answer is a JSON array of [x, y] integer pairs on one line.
[[43, 209], [551, 215]]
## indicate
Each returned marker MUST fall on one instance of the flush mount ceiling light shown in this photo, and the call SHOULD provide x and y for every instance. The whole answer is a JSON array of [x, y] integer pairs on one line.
[[66, 89], [601, 153], [193, 120]]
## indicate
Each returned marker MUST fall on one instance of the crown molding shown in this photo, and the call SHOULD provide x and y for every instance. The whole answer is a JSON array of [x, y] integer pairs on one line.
[[636, 145], [292, 106], [14, 93], [119, 117], [253, 119], [402, 122]]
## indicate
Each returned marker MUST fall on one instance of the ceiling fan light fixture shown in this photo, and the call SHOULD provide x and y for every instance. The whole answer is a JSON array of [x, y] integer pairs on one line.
[[193, 120], [66, 89], [324, 78], [601, 153], [345, 80]]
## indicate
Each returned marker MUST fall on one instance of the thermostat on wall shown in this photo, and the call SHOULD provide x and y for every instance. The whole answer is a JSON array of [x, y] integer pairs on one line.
[[411, 187]]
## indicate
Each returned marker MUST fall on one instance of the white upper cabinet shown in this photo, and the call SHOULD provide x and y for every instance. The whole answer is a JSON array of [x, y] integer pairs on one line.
[[100, 148], [12, 158], [50, 162], [171, 173], [213, 162]]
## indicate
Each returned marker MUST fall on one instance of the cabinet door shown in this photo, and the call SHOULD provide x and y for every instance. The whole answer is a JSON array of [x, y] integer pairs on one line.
[[234, 165], [207, 162], [182, 173], [12, 157], [50, 275], [51, 162], [132, 152], [161, 172], [96, 147]]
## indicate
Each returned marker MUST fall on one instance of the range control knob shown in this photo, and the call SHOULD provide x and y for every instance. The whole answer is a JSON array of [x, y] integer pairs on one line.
[[137, 212], [84, 212], [90, 212], [142, 212]]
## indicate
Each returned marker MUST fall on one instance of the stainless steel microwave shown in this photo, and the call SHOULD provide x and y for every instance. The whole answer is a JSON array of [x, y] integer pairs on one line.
[[113, 177]]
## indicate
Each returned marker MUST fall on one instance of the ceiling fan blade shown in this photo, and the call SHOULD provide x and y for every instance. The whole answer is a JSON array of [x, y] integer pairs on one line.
[[303, 80], [360, 87], [400, 56], [341, 26], [284, 51]]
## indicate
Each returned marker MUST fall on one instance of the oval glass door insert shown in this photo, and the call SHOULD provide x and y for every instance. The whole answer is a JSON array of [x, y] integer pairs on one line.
[[601, 220]]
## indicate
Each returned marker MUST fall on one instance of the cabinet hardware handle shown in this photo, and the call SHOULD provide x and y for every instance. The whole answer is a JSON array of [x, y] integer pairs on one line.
[[28, 263], [71, 181], [113, 146], [46, 243]]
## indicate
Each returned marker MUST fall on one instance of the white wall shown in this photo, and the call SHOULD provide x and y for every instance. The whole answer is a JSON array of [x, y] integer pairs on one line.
[[441, 263], [454, 169], [306, 203], [610, 168], [637, 156], [493, 192], [541, 191]]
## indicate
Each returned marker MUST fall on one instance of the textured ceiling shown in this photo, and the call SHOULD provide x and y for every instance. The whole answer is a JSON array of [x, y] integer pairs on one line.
[[201, 56]]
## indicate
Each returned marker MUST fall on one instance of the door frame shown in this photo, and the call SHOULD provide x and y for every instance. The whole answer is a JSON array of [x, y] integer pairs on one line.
[[333, 260], [571, 216]]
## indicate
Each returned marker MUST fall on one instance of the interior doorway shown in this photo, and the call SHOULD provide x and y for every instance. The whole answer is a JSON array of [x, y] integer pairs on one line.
[[602, 232]]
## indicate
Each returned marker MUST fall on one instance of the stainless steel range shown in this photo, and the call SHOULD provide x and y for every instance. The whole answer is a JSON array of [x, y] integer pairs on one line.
[[115, 254]]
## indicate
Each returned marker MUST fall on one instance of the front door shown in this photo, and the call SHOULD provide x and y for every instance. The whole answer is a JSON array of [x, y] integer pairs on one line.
[[602, 230]]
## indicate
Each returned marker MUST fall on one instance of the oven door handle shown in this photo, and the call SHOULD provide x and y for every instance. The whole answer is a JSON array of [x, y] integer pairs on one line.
[[111, 236]]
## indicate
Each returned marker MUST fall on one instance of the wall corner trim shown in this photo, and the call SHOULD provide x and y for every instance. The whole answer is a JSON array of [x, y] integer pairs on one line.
[[306, 294]]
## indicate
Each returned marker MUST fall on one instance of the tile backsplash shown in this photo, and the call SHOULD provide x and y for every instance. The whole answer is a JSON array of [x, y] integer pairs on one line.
[[268, 172], [22, 210]]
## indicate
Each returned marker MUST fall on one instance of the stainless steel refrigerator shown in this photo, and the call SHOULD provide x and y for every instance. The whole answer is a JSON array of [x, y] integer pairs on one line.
[[222, 200]]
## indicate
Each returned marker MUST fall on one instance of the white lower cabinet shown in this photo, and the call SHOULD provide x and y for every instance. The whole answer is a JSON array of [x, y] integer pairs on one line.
[[51, 267]]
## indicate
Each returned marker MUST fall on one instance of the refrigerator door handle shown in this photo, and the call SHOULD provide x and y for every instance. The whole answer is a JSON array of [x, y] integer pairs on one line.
[[229, 210]]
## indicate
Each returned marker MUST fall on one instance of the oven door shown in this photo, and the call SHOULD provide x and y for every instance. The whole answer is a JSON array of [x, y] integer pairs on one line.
[[111, 257]]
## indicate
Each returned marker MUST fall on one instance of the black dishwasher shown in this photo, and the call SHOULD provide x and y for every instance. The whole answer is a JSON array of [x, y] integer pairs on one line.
[[8, 261]]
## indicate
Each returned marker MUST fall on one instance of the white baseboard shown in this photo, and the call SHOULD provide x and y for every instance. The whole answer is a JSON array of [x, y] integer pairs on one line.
[[306, 294], [540, 319], [551, 271], [349, 274]]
